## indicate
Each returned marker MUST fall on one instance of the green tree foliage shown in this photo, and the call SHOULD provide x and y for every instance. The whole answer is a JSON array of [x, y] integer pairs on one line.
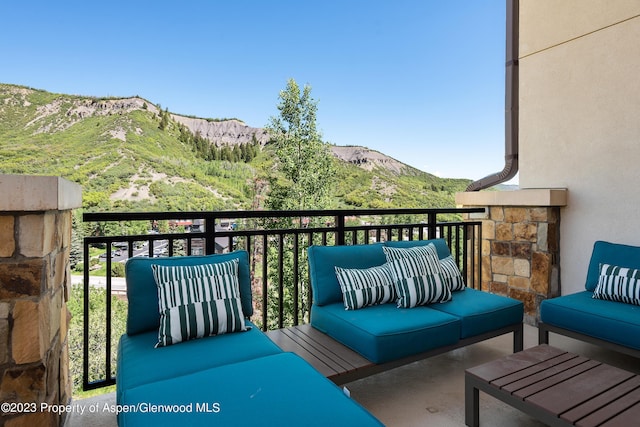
[[117, 269], [77, 235], [204, 149], [302, 179], [304, 163], [97, 322], [164, 119]]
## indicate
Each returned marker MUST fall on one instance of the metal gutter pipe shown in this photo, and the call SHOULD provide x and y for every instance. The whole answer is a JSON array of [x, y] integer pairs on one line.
[[511, 104]]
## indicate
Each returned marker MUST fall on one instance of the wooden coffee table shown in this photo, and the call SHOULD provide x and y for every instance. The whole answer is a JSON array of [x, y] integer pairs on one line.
[[556, 387]]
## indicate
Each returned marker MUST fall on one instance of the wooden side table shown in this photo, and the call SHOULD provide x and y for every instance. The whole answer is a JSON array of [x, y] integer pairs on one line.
[[556, 387]]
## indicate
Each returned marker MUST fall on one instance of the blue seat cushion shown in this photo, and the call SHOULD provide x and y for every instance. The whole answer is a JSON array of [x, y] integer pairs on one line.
[[384, 332], [613, 254], [324, 259], [142, 291], [616, 322], [276, 390], [481, 312], [140, 363]]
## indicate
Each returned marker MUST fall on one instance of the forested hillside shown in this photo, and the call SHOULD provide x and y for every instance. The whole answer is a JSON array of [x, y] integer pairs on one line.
[[131, 155]]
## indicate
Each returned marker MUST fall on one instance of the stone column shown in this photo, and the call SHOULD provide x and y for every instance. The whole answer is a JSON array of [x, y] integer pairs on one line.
[[520, 244], [35, 239]]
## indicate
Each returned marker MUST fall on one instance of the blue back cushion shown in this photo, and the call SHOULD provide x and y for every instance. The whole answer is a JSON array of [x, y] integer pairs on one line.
[[142, 291], [324, 259], [610, 253], [440, 244]]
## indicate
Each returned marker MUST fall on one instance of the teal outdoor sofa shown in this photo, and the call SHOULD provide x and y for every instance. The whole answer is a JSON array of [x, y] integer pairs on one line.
[[388, 335], [232, 379], [601, 321]]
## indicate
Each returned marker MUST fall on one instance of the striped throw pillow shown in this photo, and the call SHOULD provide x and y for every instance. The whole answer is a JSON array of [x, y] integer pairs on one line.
[[451, 274], [419, 278], [197, 301], [619, 284], [364, 287]]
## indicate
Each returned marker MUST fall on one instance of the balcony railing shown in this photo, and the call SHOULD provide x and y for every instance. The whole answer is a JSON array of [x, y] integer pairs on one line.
[[276, 242]]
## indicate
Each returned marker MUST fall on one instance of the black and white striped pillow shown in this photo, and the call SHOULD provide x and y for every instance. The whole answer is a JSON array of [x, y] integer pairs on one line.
[[197, 301], [619, 284], [451, 274], [418, 276], [364, 287]]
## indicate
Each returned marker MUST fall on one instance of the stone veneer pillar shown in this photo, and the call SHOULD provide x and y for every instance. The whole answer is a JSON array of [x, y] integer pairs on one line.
[[520, 243], [35, 238]]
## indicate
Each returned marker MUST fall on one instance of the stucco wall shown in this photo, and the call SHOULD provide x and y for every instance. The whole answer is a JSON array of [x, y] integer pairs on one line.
[[580, 120]]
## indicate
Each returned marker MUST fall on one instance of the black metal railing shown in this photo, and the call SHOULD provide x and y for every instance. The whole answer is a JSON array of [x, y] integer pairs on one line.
[[276, 242]]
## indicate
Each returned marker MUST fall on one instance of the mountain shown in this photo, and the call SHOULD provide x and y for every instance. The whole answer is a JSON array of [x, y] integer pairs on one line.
[[128, 154], [234, 132], [223, 132], [368, 159]]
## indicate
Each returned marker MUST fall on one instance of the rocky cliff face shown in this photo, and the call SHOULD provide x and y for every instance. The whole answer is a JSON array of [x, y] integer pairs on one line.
[[228, 132], [367, 159], [64, 111], [235, 132], [102, 107]]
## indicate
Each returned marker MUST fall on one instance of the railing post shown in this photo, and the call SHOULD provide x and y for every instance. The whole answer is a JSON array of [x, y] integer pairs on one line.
[[296, 280], [280, 280], [431, 225], [468, 258], [85, 326], [265, 290], [107, 295], [478, 246], [210, 235], [340, 229]]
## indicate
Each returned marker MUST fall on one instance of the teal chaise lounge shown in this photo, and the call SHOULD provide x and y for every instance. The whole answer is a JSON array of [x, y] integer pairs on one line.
[[238, 378]]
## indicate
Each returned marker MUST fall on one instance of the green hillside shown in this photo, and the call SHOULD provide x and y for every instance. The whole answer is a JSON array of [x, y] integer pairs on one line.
[[129, 155]]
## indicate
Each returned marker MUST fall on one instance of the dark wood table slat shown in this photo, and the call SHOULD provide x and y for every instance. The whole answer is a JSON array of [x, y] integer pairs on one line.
[[630, 417], [324, 366], [611, 395], [555, 379], [491, 371], [622, 412], [329, 357], [545, 374], [579, 389], [538, 367], [323, 342]]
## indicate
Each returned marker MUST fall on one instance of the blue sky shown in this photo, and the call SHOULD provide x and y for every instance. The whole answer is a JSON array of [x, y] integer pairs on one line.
[[419, 80]]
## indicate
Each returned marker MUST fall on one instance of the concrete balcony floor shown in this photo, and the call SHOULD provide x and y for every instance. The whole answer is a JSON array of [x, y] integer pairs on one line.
[[429, 392]]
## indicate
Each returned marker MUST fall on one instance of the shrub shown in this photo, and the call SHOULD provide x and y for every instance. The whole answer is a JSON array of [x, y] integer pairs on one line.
[[117, 269], [97, 326]]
